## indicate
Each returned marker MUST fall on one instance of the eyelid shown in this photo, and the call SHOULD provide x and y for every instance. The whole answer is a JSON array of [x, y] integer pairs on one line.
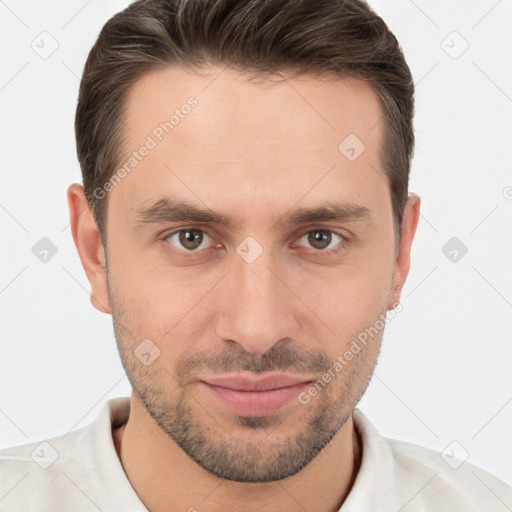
[[345, 239], [168, 234]]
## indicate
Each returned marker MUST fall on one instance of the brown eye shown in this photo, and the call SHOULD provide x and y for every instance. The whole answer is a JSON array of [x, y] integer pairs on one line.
[[323, 239], [189, 239]]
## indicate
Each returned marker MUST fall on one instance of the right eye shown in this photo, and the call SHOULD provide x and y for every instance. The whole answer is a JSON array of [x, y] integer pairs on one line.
[[189, 239]]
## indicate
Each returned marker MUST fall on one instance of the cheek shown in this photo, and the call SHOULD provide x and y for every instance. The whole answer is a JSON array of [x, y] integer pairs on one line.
[[359, 284], [159, 302], [351, 301]]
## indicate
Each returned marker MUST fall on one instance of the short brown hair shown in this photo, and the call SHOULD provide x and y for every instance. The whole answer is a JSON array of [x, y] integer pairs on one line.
[[344, 38]]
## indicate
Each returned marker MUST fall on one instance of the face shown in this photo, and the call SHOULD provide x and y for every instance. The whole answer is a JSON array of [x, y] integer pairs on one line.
[[245, 254]]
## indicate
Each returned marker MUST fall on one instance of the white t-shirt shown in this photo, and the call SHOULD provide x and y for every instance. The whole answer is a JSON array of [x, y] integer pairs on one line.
[[80, 471]]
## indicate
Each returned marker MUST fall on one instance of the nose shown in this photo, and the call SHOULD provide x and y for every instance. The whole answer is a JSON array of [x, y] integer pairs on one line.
[[258, 308]]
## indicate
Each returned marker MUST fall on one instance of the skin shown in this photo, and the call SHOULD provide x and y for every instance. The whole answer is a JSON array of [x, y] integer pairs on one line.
[[255, 152]]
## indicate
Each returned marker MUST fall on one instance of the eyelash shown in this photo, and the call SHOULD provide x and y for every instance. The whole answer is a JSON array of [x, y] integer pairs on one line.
[[190, 254]]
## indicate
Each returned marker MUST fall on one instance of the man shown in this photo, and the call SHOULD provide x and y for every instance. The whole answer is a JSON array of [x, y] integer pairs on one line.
[[245, 219]]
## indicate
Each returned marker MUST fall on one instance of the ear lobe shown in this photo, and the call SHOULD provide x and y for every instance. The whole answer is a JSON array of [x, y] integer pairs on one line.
[[403, 256], [88, 244]]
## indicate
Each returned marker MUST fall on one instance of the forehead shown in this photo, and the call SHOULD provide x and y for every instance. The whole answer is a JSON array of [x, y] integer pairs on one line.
[[322, 110], [218, 129]]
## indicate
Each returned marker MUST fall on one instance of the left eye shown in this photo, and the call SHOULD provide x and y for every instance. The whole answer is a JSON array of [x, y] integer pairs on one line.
[[321, 239]]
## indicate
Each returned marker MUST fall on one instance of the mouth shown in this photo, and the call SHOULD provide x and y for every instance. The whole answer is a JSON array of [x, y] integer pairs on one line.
[[254, 396]]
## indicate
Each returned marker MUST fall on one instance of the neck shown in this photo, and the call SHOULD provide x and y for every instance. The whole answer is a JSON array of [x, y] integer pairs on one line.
[[162, 474]]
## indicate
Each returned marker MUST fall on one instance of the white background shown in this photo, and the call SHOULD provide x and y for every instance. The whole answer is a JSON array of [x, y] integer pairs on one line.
[[444, 372]]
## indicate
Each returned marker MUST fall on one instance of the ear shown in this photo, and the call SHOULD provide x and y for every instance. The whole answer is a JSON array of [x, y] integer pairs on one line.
[[88, 244], [403, 255]]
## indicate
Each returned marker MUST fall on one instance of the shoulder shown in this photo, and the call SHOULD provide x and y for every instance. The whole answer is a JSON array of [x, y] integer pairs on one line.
[[419, 478], [77, 471], [44, 469], [451, 477]]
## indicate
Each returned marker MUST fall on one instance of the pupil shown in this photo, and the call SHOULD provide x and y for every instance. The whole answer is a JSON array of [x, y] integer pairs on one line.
[[189, 239], [319, 236]]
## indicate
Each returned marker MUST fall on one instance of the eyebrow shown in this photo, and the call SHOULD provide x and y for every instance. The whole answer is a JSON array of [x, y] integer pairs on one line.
[[171, 210]]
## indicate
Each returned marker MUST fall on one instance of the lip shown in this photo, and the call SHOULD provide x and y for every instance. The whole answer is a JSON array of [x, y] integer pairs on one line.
[[248, 382], [254, 396]]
